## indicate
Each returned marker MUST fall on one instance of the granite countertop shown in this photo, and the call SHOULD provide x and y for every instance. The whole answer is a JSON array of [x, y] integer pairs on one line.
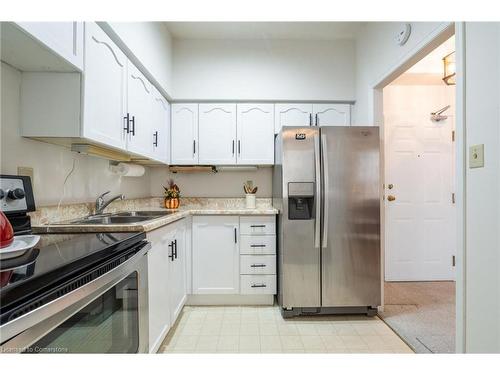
[[43, 219]]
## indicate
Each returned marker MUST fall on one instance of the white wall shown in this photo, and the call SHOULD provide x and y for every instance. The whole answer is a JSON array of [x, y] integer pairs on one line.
[[263, 70], [151, 43], [376, 54], [209, 185], [52, 163], [482, 125]]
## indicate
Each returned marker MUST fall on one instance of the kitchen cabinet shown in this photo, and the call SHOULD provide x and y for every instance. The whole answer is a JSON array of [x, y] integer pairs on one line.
[[166, 279], [292, 114], [104, 90], [184, 134], [332, 114], [255, 131], [215, 255], [217, 133], [139, 112], [160, 134], [63, 38]]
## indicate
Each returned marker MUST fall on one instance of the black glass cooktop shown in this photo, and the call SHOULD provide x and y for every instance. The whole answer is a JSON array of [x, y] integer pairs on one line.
[[57, 257]]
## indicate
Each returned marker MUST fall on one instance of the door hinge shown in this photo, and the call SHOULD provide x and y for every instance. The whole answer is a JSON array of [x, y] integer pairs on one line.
[[453, 261], [453, 198], [453, 135]]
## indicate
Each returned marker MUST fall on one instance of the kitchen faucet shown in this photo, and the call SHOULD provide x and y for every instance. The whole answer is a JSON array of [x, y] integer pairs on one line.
[[101, 204]]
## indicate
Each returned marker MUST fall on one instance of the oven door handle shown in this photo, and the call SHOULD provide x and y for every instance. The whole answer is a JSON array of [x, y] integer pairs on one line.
[[29, 328]]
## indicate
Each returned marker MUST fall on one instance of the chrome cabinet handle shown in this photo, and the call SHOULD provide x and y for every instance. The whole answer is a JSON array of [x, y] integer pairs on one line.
[[133, 125], [171, 255], [318, 191], [325, 189], [259, 285], [235, 236], [233, 146], [317, 120], [257, 245], [194, 146], [155, 137], [258, 226], [258, 265], [127, 123], [239, 147], [310, 119]]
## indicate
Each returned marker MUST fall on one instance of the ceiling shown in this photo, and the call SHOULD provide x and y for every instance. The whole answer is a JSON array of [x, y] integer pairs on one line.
[[263, 30], [433, 62]]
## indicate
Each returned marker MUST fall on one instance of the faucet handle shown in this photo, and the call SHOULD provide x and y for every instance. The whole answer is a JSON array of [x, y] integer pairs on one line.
[[103, 194]]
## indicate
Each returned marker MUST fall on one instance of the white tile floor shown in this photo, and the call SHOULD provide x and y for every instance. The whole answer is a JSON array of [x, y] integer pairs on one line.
[[235, 329]]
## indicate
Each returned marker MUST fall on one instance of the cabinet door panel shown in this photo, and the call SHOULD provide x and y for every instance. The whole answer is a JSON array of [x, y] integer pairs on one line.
[[104, 89], [215, 255], [140, 109], [184, 135], [292, 114], [177, 284], [161, 128], [255, 130], [332, 114], [217, 133]]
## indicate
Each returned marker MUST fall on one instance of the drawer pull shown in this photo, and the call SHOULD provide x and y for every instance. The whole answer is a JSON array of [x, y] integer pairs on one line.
[[258, 265], [257, 245], [258, 226], [259, 285]]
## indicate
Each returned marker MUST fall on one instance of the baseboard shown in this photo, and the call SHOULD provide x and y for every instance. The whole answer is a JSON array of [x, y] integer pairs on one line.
[[229, 299]]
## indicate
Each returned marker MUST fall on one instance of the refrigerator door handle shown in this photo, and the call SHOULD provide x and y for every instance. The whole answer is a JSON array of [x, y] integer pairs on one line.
[[324, 154], [318, 191]]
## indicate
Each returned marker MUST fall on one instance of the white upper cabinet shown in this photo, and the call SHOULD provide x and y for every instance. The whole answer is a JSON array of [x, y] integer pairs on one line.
[[255, 130], [184, 133], [217, 133], [104, 89], [63, 38], [332, 114], [139, 110], [292, 114], [161, 128], [215, 255]]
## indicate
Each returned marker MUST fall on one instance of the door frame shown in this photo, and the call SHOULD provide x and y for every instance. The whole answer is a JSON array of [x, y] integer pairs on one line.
[[423, 48]]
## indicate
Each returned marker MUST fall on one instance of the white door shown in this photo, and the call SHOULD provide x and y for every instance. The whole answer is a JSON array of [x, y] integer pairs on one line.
[[177, 274], [420, 222], [64, 38], [104, 89], [161, 128], [184, 134], [215, 255], [255, 131], [139, 109], [292, 114], [332, 114], [217, 133]]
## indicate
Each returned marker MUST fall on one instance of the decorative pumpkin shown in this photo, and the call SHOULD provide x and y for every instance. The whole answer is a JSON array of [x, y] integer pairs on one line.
[[172, 194]]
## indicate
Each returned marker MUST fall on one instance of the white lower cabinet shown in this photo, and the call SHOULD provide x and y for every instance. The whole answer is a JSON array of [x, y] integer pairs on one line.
[[166, 279], [215, 255]]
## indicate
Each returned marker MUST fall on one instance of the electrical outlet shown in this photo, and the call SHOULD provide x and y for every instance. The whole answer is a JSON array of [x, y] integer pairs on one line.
[[476, 156]]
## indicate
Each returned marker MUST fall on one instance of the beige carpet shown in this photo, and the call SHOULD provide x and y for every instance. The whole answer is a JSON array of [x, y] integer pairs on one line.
[[422, 313]]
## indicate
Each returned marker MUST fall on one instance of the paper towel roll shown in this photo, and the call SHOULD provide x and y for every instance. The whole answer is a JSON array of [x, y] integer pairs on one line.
[[128, 170]]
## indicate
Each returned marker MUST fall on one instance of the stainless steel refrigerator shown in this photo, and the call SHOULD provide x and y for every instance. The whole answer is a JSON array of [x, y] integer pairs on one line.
[[326, 186]]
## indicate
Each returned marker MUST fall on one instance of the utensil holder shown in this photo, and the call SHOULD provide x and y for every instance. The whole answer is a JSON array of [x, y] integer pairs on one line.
[[250, 201]]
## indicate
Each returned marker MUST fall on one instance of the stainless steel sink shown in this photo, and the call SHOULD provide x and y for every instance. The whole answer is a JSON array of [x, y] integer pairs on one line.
[[143, 213], [129, 217]]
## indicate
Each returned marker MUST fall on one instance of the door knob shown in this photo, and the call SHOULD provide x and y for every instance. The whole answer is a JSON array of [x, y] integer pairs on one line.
[[391, 198]]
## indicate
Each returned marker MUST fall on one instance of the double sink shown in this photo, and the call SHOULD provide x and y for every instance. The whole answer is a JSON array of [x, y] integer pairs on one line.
[[129, 217]]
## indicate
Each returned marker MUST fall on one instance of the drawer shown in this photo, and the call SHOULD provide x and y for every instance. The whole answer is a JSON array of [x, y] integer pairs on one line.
[[256, 225], [258, 284], [258, 264], [258, 245]]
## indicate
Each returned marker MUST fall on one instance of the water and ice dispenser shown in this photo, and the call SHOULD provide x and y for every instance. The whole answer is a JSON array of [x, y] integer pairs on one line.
[[300, 200]]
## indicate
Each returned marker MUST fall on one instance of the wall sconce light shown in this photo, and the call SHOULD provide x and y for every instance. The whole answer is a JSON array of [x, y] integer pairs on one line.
[[449, 69]]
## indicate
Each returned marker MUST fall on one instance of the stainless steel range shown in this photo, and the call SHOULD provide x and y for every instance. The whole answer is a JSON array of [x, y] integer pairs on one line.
[[326, 187]]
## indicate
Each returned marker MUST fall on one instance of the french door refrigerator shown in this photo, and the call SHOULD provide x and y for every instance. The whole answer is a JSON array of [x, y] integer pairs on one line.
[[326, 186]]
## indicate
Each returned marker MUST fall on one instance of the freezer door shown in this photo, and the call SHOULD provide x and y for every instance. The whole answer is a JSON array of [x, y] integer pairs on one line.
[[351, 217], [299, 224]]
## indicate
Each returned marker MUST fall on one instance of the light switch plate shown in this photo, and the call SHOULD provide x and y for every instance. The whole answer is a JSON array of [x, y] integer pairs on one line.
[[476, 156]]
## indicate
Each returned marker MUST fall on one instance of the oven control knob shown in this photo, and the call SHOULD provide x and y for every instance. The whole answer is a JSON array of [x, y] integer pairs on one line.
[[17, 193], [2, 194]]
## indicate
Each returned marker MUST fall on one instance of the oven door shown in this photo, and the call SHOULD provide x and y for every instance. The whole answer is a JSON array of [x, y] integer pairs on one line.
[[107, 315]]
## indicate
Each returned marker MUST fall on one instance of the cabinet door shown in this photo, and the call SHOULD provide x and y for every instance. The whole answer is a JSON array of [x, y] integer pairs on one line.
[[64, 38], [161, 128], [255, 131], [177, 284], [184, 134], [292, 114], [332, 114], [140, 111], [158, 281], [104, 89], [217, 133], [215, 255]]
